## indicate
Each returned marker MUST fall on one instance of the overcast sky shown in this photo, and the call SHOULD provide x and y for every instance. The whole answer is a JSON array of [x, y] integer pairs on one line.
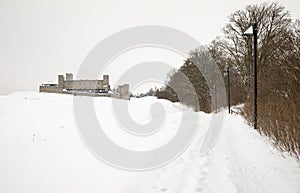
[[40, 39]]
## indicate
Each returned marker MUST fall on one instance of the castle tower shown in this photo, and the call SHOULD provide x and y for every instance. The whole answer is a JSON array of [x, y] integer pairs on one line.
[[69, 76], [106, 82], [124, 91], [61, 80]]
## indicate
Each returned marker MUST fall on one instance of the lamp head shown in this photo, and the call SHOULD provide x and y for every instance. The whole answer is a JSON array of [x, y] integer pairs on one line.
[[249, 31], [226, 70]]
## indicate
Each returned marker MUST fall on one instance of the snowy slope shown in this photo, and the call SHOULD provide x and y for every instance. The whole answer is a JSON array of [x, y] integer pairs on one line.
[[41, 151]]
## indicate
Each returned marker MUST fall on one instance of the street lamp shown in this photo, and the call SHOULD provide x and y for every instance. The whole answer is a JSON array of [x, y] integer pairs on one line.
[[216, 100], [226, 72], [252, 31]]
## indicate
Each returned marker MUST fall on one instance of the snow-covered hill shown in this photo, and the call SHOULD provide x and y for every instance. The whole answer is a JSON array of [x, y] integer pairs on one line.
[[41, 151]]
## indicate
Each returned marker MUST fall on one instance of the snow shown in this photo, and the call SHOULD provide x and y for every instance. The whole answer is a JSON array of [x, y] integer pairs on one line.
[[41, 151]]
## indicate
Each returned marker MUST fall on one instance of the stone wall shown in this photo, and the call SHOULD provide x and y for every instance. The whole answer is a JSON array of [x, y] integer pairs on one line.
[[51, 89], [83, 84]]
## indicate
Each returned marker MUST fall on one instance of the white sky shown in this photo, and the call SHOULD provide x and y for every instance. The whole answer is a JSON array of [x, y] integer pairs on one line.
[[40, 39]]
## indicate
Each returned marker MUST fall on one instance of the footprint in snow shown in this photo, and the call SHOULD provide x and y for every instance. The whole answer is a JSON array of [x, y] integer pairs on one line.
[[163, 189]]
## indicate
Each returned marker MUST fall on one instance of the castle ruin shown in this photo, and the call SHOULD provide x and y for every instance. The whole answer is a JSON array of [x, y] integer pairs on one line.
[[86, 87]]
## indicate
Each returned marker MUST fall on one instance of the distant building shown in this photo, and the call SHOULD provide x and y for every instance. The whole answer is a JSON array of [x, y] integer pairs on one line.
[[85, 87]]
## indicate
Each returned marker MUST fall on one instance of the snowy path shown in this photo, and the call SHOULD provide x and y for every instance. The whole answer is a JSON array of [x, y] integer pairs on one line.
[[41, 151]]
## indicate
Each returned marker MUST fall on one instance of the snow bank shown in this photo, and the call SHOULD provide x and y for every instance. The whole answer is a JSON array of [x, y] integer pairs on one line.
[[41, 151]]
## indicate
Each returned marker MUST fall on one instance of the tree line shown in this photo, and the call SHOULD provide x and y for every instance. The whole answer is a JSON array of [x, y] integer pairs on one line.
[[278, 72]]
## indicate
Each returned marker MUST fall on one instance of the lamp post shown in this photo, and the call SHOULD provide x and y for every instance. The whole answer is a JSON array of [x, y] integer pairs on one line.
[[228, 87], [216, 100], [248, 32]]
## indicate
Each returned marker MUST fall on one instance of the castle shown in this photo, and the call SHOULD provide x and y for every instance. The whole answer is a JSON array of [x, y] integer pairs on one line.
[[85, 87]]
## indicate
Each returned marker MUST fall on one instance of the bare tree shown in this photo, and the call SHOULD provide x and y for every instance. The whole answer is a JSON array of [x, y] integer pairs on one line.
[[235, 50]]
